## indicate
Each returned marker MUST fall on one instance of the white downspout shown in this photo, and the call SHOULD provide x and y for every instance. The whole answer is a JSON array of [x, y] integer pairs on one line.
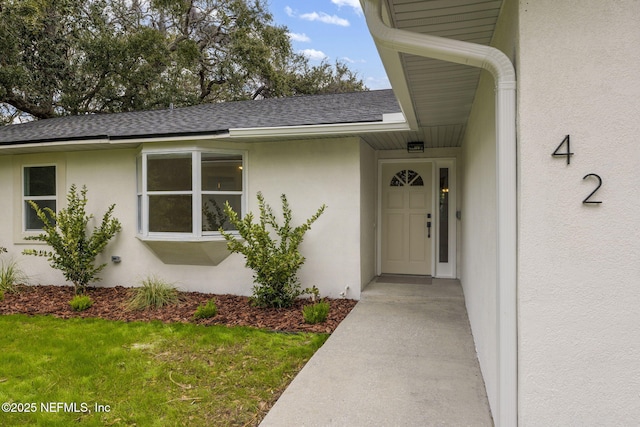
[[499, 65]]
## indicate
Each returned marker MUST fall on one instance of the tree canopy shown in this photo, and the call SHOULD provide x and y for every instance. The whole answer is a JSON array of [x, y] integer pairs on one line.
[[61, 57]]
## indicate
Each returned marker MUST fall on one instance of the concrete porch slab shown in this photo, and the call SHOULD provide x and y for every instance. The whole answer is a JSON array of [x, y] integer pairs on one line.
[[403, 357]]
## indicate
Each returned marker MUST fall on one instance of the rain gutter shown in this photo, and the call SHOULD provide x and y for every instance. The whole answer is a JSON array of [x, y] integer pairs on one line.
[[390, 123], [499, 65]]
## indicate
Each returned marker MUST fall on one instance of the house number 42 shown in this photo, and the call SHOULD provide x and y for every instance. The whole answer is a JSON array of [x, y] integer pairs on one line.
[[564, 150]]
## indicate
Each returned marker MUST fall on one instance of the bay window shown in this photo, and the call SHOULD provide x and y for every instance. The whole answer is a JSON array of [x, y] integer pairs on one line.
[[183, 193]]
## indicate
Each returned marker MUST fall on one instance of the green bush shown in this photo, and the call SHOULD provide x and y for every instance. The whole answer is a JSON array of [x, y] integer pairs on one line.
[[316, 313], [1, 295], [154, 293], [206, 311], [11, 275], [274, 261], [73, 251], [80, 302]]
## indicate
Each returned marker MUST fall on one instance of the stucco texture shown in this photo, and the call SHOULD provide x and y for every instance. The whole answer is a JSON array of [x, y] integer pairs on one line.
[[579, 264], [479, 215], [310, 173]]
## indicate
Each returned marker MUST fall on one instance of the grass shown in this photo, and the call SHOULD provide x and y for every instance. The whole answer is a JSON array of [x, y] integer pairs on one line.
[[11, 275], [81, 302], [207, 310], [154, 293], [316, 313], [149, 374]]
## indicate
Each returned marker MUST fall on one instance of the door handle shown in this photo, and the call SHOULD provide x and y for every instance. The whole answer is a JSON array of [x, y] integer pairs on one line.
[[429, 229]]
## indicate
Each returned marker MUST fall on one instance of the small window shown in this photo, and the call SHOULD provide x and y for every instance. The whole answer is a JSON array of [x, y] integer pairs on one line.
[[406, 177], [185, 192], [443, 247], [39, 187]]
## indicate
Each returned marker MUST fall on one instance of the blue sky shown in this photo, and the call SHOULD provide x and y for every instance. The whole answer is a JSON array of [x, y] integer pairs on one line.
[[332, 30]]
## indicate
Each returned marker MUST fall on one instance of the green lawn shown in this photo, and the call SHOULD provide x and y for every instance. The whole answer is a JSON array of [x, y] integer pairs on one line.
[[142, 374]]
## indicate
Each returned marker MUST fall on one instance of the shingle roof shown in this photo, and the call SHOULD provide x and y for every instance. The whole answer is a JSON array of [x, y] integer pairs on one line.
[[354, 107]]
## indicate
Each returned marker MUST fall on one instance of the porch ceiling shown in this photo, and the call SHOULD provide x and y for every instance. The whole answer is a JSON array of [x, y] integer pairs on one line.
[[437, 96]]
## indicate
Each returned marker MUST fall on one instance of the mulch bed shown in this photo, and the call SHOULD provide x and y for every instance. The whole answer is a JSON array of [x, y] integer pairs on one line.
[[233, 310]]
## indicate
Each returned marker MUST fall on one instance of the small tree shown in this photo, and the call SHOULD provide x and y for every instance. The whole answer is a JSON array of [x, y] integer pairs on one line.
[[274, 261], [73, 251]]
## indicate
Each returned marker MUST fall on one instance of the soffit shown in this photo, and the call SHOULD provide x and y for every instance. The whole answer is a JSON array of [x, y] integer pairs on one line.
[[441, 93]]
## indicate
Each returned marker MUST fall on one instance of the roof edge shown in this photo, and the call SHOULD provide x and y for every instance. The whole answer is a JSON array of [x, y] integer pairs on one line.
[[390, 122], [104, 141]]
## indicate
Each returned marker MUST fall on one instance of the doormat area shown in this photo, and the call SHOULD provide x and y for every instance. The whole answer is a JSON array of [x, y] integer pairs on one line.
[[404, 278]]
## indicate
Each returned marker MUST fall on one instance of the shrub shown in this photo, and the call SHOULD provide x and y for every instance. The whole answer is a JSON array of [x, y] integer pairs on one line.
[[316, 313], [206, 311], [274, 261], [73, 251], [80, 302], [1, 295], [154, 293], [10, 276]]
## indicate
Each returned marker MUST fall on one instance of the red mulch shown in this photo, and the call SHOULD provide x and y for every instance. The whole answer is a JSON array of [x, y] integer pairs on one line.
[[233, 310]]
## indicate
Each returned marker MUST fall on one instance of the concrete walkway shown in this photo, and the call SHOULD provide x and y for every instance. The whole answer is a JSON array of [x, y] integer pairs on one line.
[[403, 357]]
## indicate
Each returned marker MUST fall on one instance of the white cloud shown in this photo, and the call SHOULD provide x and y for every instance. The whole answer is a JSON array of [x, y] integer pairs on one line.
[[297, 37], [325, 18], [352, 61], [314, 55], [355, 4], [288, 11]]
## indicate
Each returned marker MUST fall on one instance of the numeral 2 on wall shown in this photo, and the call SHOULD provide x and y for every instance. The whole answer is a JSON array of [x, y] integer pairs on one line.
[[588, 199]]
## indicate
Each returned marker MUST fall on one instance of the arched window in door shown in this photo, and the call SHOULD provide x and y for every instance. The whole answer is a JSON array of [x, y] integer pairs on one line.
[[406, 177]]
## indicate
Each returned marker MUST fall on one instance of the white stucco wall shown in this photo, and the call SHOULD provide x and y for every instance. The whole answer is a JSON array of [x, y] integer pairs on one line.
[[368, 213], [479, 222], [310, 173], [6, 195], [579, 265], [478, 272]]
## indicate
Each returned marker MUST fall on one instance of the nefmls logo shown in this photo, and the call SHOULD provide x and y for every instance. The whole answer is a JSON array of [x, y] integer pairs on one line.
[[64, 407]]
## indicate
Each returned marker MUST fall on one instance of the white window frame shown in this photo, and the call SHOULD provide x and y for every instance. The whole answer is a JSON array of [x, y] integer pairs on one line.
[[26, 198], [196, 192]]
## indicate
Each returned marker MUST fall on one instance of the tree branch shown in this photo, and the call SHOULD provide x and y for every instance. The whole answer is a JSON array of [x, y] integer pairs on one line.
[[21, 104]]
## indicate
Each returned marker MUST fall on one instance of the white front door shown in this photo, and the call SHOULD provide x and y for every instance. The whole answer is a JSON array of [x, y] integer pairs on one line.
[[406, 214]]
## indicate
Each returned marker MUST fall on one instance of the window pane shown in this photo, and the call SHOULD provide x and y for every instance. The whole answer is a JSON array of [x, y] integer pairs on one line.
[[172, 213], [221, 172], [40, 181], [444, 216], [213, 216], [169, 172], [32, 222]]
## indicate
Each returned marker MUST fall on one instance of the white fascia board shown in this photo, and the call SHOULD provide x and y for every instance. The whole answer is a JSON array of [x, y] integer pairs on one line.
[[103, 143], [169, 138], [390, 122], [35, 146], [397, 77]]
